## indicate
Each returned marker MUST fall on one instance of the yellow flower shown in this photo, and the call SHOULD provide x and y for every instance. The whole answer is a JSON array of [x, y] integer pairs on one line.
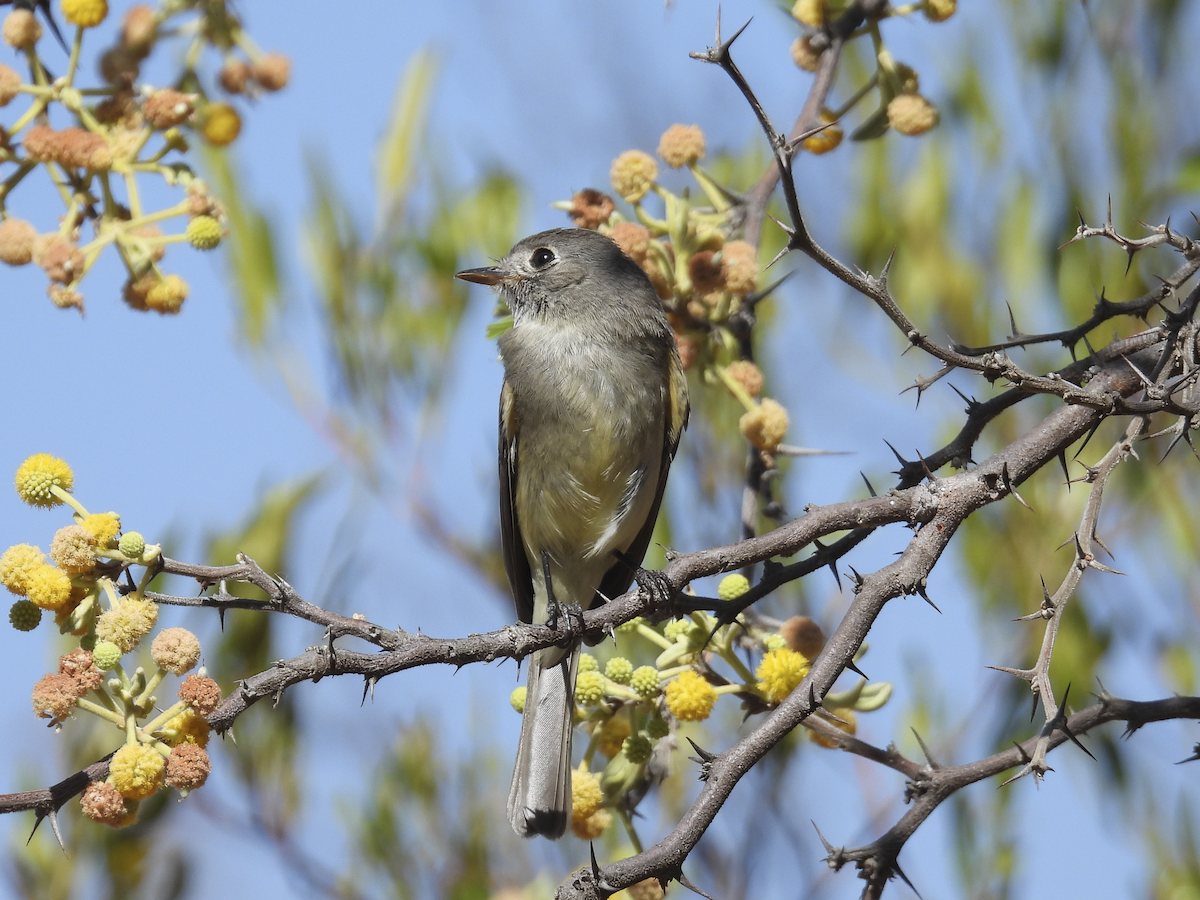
[[690, 697], [517, 698], [765, 425], [188, 727], [586, 795], [85, 13], [136, 771], [176, 650], [589, 688], [104, 526], [826, 140], [167, 295], [612, 736], [911, 114], [17, 564], [49, 588], [809, 12], [732, 586], [779, 673], [131, 618], [939, 10], [681, 145], [632, 174], [74, 549], [38, 474], [803, 54], [222, 124], [204, 232], [593, 826], [645, 682]]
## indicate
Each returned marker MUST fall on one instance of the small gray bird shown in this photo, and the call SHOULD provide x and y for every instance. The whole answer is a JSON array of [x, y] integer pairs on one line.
[[593, 404]]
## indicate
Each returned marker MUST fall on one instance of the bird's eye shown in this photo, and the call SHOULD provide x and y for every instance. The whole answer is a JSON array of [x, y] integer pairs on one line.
[[541, 257]]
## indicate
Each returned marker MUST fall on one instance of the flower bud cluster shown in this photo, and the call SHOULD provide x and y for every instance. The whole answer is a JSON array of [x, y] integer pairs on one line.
[[899, 104], [97, 141], [633, 704], [79, 585]]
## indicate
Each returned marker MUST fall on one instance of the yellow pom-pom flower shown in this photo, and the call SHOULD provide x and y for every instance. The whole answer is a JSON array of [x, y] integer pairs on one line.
[[517, 698], [39, 475], [17, 564], [690, 697], [765, 425], [167, 295], [593, 826], [779, 673], [612, 736], [911, 114], [74, 549], [204, 232], [588, 663], [221, 124], [103, 526], [681, 145], [189, 727], [131, 618], [136, 771], [826, 140], [733, 586], [49, 588], [85, 13], [618, 669], [939, 10], [645, 682], [586, 795], [589, 688], [632, 174]]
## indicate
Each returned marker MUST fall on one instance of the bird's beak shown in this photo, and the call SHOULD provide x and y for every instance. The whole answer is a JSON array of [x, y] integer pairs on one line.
[[487, 275]]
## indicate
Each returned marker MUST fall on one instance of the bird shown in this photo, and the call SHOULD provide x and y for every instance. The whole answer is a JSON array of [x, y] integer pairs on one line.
[[593, 405]]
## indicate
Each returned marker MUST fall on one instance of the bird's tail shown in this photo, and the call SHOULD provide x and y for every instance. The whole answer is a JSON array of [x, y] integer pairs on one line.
[[539, 801]]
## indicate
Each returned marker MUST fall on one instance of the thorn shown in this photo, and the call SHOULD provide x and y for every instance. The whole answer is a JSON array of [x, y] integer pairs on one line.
[[1060, 722], [1088, 438], [925, 597], [683, 879], [904, 462], [933, 763], [1023, 674], [1062, 459], [595, 864], [904, 878], [1012, 323], [856, 670], [368, 687], [870, 488], [829, 848], [1007, 481], [972, 403], [1195, 755]]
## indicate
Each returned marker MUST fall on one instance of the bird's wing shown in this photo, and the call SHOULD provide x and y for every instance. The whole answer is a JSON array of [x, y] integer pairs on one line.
[[516, 563], [617, 579]]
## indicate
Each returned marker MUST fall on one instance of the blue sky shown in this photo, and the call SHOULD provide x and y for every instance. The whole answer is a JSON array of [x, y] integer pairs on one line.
[[170, 422]]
